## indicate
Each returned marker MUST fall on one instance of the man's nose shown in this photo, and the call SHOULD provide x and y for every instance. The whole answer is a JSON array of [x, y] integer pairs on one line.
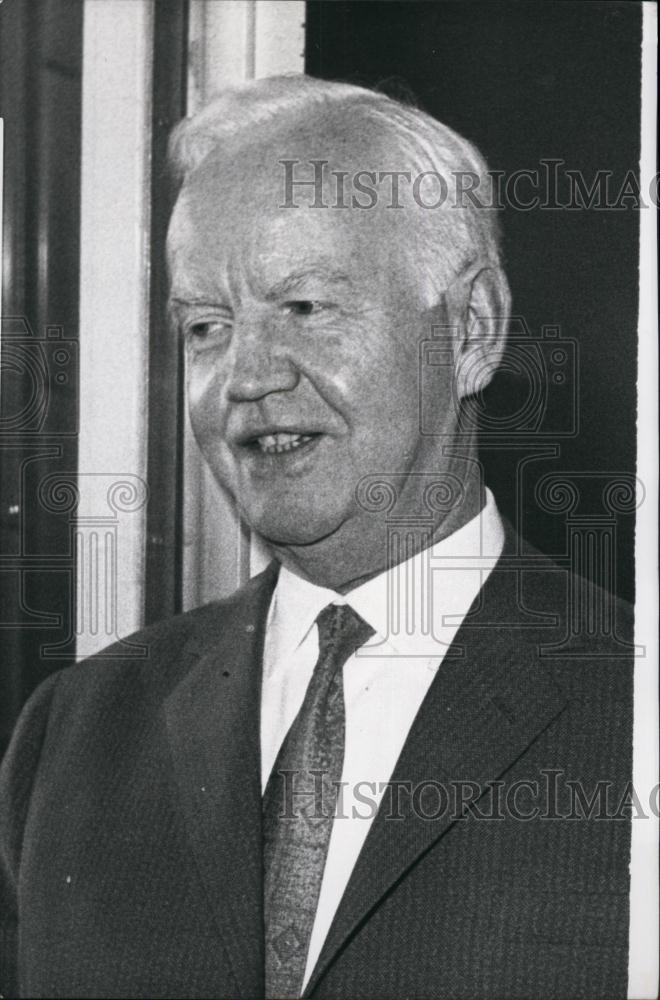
[[258, 365]]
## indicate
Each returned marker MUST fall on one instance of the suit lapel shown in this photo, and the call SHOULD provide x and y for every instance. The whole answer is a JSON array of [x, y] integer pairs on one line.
[[488, 702], [212, 720]]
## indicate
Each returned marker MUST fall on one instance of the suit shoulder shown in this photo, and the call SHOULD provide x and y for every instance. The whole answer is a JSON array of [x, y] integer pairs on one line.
[[576, 599], [560, 616], [552, 583], [156, 657]]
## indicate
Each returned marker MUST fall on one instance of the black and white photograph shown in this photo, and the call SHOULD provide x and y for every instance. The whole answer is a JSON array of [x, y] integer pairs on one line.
[[329, 500]]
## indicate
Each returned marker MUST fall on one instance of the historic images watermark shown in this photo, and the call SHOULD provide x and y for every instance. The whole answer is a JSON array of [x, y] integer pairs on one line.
[[313, 797], [551, 185]]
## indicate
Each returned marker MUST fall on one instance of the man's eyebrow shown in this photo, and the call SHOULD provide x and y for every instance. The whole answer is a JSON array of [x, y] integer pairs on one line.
[[288, 285], [176, 305], [293, 281]]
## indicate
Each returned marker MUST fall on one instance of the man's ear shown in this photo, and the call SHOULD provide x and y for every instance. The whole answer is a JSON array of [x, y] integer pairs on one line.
[[486, 318]]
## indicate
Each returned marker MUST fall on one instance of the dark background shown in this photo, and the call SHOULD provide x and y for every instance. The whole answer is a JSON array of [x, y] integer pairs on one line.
[[529, 81], [524, 81], [40, 101]]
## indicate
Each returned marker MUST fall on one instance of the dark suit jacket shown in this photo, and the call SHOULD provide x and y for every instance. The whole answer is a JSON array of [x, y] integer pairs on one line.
[[130, 817]]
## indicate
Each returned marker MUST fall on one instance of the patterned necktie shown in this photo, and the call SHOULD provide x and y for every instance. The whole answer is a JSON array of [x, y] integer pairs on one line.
[[299, 804]]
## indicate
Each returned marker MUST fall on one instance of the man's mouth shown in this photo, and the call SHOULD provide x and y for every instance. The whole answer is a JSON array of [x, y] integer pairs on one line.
[[281, 442]]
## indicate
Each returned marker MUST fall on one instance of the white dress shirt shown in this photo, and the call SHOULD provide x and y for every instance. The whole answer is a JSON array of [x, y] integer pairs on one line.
[[415, 609]]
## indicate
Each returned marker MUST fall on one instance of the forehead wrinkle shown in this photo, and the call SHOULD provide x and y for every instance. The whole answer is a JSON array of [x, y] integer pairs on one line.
[[191, 283], [238, 248], [295, 280]]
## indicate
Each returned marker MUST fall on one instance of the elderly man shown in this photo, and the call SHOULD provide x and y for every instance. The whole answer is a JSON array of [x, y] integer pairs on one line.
[[346, 779]]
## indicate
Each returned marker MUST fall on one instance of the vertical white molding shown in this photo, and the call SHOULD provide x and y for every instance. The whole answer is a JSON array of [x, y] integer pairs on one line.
[[279, 45], [242, 40], [643, 954], [114, 318], [228, 43]]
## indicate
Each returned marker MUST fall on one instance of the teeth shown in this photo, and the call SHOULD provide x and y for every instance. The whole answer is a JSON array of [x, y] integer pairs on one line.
[[275, 444]]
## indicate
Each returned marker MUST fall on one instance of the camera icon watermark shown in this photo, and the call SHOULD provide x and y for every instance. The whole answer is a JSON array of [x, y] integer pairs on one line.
[[45, 365], [543, 400]]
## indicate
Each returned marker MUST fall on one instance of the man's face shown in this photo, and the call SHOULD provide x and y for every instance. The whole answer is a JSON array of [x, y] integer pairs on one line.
[[302, 330]]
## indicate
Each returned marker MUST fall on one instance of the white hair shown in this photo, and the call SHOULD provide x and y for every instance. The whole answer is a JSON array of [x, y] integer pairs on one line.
[[454, 238]]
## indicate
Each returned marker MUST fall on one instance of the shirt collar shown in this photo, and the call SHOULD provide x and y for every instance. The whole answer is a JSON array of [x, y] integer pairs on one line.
[[451, 572], [295, 606]]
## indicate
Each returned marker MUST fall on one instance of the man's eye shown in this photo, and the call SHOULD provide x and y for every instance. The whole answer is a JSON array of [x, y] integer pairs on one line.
[[206, 329], [304, 307]]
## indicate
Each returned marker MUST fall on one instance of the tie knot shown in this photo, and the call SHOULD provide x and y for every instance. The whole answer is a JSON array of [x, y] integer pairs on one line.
[[341, 631]]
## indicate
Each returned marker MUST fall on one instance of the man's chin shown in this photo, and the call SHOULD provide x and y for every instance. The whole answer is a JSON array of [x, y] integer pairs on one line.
[[289, 532]]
